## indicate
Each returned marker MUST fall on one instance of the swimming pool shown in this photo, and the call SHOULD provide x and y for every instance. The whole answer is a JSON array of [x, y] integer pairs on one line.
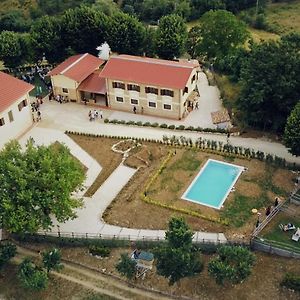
[[213, 183]]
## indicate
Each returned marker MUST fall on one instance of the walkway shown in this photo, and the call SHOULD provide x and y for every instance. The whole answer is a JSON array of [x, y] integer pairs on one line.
[[89, 218], [74, 117]]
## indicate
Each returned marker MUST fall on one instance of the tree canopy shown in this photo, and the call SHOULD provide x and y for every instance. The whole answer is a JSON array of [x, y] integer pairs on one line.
[[220, 32], [37, 183], [270, 79], [232, 264], [52, 260], [171, 37], [292, 131], [177, 259]]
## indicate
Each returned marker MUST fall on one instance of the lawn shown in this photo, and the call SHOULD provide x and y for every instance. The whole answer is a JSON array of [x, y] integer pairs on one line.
[[280, 238], [255, 188], [39, 83]]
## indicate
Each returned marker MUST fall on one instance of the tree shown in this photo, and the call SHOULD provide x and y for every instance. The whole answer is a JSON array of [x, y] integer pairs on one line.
[[292, 131], [46, 39], [221, 32], [52, 260], [233, 264], [37, 183], [126, 266], [270, 79], [83, 29], [10, 48], [107, 7], [31, 276], [126, 34], [171, 37], [177, 259], [194, 38], [7, 251]]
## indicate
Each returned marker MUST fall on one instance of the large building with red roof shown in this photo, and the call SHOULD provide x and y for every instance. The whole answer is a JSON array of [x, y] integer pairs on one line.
[[129, 83], [15, 111], [150, 86], [76, 78]]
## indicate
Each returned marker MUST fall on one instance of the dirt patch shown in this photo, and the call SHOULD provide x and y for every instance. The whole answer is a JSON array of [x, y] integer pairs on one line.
[[263, 283], [284, 179]]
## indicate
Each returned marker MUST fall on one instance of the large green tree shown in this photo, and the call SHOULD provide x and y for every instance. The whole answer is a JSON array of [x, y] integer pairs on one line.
[[292, 131], [52, 260], [221, 32], [37, 183], [126, 34], [270, 79], [83, 29], [232, 264], [46, 39], [176, 259], [171, 37], [10, 48]]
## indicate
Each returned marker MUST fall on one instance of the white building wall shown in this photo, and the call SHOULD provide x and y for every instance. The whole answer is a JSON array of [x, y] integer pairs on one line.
[[22, 121]]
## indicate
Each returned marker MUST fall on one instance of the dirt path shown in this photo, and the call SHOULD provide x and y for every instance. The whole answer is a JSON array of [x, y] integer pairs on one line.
[[95, 281]]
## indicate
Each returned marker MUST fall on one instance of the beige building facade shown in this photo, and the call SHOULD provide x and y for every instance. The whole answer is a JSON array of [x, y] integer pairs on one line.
[[15, 120], [160, 101]]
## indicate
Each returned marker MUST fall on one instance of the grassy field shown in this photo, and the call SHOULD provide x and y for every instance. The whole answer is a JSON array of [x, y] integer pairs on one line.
[[286, 16]]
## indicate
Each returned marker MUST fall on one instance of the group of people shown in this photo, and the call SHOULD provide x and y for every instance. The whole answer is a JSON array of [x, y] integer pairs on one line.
[[95, 114], [35, 109], [59, 98]]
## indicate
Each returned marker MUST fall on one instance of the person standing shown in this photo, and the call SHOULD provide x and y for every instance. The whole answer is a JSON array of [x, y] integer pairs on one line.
[[134, 109], [101, 114]]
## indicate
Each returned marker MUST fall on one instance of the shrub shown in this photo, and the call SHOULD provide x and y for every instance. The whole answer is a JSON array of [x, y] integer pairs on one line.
[[52, 260], [7, 251], [154, 124], [163, 126], [146, 124], [114, 121], [106, 121], [99, 251], [171, 126], [126, 266], [130, 123], [180, 127], [191, 128], [291, 281], [139, 123]]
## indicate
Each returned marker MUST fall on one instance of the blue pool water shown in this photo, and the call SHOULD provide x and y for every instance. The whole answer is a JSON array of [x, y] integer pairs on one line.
[[213, 183]]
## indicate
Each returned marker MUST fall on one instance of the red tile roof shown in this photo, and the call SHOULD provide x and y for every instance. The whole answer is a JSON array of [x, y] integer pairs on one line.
[[78, 67], [12, 89], [149, 71], [94, 84]]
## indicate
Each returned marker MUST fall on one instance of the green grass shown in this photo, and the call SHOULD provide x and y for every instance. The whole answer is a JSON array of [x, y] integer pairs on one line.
[[38, 82], [285, 16], [188, 162], [283, 239]]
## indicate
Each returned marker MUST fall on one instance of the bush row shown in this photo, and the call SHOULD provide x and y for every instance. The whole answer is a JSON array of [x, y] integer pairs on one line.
[[210, 146], [166, 126]]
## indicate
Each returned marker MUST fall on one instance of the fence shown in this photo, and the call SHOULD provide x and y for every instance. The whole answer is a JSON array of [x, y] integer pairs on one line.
[[198, 238], [265, 246]]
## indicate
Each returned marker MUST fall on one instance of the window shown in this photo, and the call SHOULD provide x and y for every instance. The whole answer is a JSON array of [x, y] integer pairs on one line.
[[186, 90], [151, 90], [2, 122], [22, 104], [118, 85], [168, 106], [134, 101], [133, 87], [193, 78], [119, 99], [152, 104], [10, 116], [65, 90], [167, 93]]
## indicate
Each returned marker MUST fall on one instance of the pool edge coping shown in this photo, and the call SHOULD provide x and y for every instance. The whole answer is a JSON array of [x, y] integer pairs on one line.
[[241, 169]]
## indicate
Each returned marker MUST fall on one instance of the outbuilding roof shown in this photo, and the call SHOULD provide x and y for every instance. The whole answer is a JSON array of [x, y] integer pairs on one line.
[[151, 71], [94, 84], [12, 89], [78, 67]]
